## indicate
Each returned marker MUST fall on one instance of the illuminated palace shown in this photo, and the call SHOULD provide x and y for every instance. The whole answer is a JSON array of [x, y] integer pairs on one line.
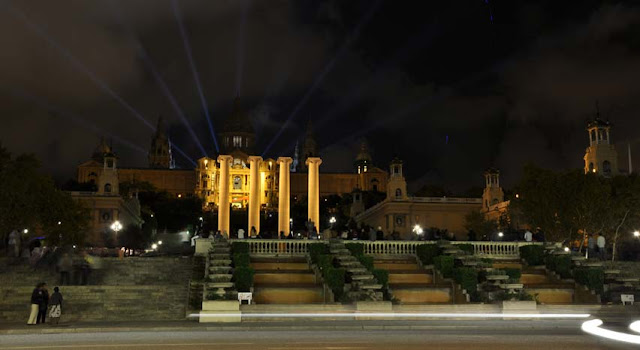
[[237, 140]]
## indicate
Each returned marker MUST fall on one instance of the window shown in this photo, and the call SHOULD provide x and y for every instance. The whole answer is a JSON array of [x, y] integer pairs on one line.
[[375, 187], [365, 168], [237, 183], [593, 136], [107, 188], [204, 183], [606, 167], [396, 170], [110, 163], [237, 141], [398, 193], [591, 168]]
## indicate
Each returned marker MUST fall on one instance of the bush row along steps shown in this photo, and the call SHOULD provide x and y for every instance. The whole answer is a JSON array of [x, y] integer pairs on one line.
[[220, 275], [450, 249], [364, 286]]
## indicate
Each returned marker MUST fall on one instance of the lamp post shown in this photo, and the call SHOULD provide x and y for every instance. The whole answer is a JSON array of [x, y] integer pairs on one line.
[[417, 229], [636, 233], [116, 226]]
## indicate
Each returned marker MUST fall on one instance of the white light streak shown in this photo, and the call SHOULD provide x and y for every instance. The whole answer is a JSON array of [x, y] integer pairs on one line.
[[593, 327], [394, 315], [635, 326]]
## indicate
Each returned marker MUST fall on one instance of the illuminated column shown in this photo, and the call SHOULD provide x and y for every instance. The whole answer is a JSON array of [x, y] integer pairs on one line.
[[223, 191], [254, 193], [313, 163], [284, 199]]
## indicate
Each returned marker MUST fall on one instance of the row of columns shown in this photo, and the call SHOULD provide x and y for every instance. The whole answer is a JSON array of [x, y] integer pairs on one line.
[[284, 193]]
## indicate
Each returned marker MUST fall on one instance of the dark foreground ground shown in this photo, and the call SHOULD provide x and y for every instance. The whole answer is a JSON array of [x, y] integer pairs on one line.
[[346, 335]]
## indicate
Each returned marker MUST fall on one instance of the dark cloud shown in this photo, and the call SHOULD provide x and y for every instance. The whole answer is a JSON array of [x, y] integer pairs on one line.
[[435, 83]]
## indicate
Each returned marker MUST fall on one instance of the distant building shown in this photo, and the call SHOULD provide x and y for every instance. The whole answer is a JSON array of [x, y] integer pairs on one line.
[[106, 206], [601, 156], [238, 140]]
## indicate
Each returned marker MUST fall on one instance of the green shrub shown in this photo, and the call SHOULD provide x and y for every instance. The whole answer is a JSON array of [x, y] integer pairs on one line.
[[591, 277], [240, 247], [334, 278], [467, 277], [241, 260], [356, 249], [366, 261], [444, 264], [426, 253], [561, 264], [317, 249], [243, 278], [513, 273], [532, 254], [467, 248], [519, 296], [324, 261], [382, 276]]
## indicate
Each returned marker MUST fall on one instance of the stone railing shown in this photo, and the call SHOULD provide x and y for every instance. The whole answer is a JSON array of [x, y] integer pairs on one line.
[[295, 247], [291, 247]]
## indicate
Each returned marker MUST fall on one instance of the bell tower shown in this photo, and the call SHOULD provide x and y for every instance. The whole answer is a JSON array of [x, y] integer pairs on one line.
[[493, 193], [397, 185], [108, 184], [601, 156], [160, 152]]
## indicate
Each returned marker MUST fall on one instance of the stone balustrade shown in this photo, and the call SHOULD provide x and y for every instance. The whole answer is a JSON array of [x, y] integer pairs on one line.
[[299, 247]]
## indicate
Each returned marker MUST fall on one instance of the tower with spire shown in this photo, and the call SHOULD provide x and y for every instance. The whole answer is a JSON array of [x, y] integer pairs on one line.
[[309, 147], [601, 156], [160, 152]]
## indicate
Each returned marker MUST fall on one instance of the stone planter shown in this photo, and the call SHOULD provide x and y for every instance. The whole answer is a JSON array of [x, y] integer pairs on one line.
[[220, 305], [524, 306]]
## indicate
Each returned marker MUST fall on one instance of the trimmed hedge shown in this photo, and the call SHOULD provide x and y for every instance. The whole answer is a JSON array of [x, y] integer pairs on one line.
[[334, 278], [366, 261], [513, 273], [356, 249], [317, 249], [532, 254], [467, 248], [561, 264], [592, 277], [382, 276], [243, 278], [467, 278], [324, 261], [241, 260], [427, 252], [240, 247], [444, 264]]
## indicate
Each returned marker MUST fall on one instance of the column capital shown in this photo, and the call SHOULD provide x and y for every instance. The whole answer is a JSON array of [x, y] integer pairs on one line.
[[252, 159], [313, 160], [285, 160], [224, 158]]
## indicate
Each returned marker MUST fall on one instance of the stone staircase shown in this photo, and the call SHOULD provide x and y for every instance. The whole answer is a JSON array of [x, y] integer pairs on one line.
[[361, 284], [220, 272], [410, 283], [285, 281]]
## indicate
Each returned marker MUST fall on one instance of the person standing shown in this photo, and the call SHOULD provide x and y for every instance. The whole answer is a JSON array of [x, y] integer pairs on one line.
[[56, 306], [252, 232], [64, 266], [36, 297], [528, 236], [241, 234], [14, 243], [601, 243], [44, 304]]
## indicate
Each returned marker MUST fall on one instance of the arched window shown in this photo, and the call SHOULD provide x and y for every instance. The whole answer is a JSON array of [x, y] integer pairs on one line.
[[591, 168], [398, 193], [107, 188], [593, 136], [606, 167]]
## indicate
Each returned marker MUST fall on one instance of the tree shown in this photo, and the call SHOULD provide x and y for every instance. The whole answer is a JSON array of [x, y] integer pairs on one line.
[[476, 221], [624, 211]]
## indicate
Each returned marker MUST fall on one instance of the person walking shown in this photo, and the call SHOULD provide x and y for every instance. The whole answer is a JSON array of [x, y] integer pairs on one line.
[[56, 306], [591, 247], [36, 297], [43, 305], [528, 236], [65, 265], [14, 243], [601, 243]]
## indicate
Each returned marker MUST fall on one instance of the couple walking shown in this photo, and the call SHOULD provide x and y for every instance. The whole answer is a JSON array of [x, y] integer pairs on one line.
[[40, 302]]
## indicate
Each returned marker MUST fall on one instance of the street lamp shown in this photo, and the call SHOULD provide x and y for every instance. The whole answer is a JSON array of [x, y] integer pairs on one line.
[[332, 220], [116, 226], [26, 230], [500, 234], [154, 246], [159, 242], [417, 229], [636, 233], [59, 222]]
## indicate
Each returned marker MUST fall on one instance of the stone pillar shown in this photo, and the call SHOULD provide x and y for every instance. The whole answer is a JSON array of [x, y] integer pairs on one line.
[[284, 196], [313, 163], [254, 193], [223, 194]]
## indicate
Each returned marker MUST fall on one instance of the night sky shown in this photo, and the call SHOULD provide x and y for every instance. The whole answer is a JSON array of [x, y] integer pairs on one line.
[[451, 87]]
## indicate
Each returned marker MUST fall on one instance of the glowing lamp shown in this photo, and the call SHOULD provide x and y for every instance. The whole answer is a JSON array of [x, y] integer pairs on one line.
[[636, 233], [500, 234], [154, 246]]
